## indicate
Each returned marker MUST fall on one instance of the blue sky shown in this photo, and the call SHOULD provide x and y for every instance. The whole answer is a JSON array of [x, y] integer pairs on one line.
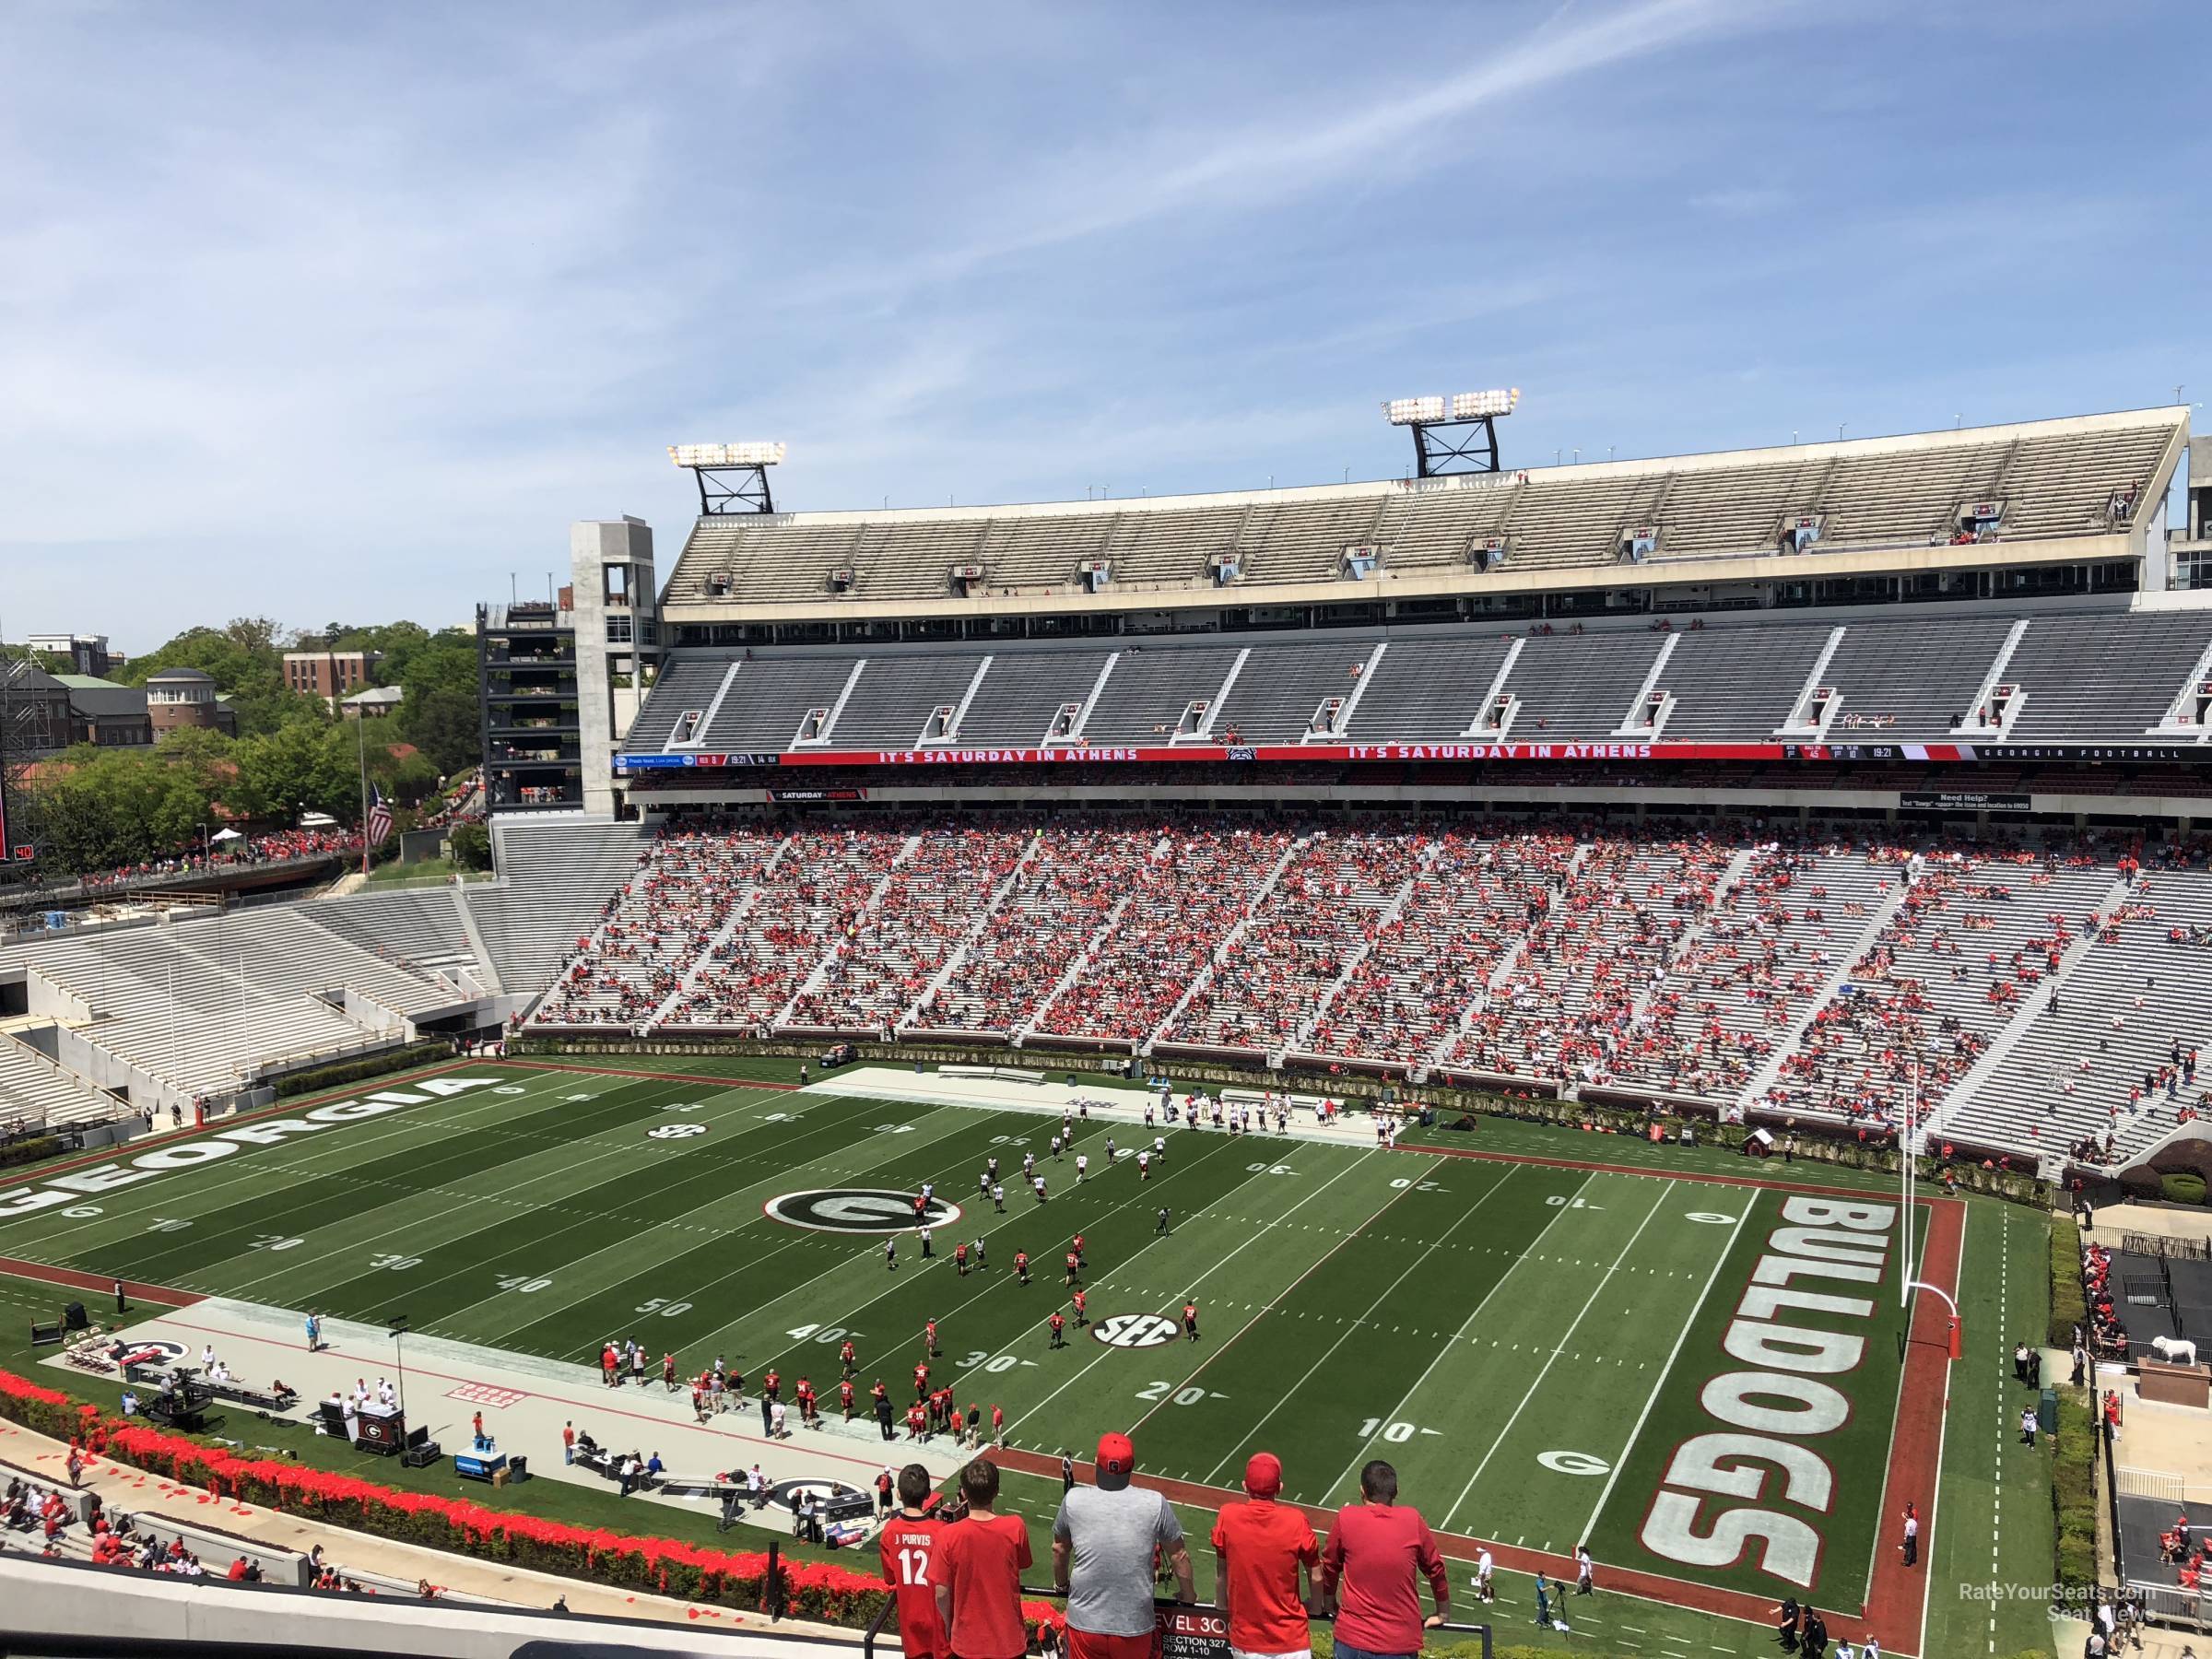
[[346, 311]]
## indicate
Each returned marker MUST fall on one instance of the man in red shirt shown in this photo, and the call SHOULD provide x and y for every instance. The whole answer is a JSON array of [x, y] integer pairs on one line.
[[978, 1565], [1261, 1548], [1367, 1571], [909, 1551]]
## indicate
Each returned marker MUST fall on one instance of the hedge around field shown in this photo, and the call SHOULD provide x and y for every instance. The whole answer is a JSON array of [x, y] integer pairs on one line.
[[820, 1591], [381, 1064], [2074, 1492], [2183, 1186], [30, 1151], [1814, 1144], [2069, 1308]]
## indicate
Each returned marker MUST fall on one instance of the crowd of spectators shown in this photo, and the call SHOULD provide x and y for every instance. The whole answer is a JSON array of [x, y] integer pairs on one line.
[[1822, 977], [276, 847]]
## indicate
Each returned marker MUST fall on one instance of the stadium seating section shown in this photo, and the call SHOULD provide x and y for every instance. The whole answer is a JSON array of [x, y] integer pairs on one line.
[[2106, 676], [2054, 479], [2033, 994]]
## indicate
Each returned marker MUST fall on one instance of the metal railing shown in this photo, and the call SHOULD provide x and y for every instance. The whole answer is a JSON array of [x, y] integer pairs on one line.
[[1185, 1629]]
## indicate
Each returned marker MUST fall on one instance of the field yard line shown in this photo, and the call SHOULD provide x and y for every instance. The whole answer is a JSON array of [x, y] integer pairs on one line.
[[249, 1170], [784, 1295], [956, 1123], [1554, 1360], [1351, 1329], [1458, 1336], [1258, 1233], [237, 1292], [1665, 1370], [1275, 1300]]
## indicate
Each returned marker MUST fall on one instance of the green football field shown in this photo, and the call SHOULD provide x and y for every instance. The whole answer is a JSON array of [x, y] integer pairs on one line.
[[1527, 1341]]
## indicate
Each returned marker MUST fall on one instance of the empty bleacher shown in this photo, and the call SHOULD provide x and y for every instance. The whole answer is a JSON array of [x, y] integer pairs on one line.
[[1023, 691], [2080, 686], [1910, 679], [2056, 478], [1149, 689], [1578, 688], [1739, 683]]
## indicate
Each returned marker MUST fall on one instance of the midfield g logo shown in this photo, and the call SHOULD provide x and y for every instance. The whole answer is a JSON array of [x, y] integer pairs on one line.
[[1135, 1331], [858, 1211]]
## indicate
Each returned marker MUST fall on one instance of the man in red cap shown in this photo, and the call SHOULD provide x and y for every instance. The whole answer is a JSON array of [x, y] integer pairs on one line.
[[1375, 1549], [1262, 1550], [1103, 1543], [979, 1567]]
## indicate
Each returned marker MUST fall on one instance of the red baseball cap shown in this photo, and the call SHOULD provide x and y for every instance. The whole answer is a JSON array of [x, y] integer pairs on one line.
[[1263, 1474], [1116, 1455]]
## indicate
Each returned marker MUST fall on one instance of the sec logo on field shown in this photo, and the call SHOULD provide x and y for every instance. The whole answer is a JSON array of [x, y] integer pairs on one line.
[[1135, 1331], [857, 1210], [675, 1131]]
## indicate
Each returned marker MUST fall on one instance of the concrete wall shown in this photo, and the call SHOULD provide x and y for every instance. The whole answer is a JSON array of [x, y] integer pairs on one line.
[[603, 711]]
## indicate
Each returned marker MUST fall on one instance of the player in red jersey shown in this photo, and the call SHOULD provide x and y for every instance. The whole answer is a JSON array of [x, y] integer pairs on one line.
[[917, 1422], [929, 1338], [998, 1425], [922, 1380], [1059, 1327], [772, 1385], [1190, 1320], [1021, 1264], [1075, 1263], [1076, 1245], [668, 1373], [847, 1357], [845, 1397], [1082, 1310], [806, 1398], [960, 1258], [907, 1549]]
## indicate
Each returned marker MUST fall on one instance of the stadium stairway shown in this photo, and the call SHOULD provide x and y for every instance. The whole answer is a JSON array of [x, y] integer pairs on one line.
[[1732, 877], [719, 940], [1501, 975], [944, 976], [1223, 946], [1992, 1059], [1385, 919], [1755, 1088], [820, 970], [1078, 968]]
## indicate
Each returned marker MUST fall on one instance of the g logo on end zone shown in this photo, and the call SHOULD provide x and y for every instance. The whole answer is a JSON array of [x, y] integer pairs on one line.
[[1135, 1331], [857, 1210]]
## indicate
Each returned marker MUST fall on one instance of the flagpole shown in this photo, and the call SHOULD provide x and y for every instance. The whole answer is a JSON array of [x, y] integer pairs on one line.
[[361, 747]]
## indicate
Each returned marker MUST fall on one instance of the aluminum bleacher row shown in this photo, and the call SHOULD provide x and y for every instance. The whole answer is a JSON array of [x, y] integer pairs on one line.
[[2053, 479], [1820, 979], [2104, 676], [132, 1017]]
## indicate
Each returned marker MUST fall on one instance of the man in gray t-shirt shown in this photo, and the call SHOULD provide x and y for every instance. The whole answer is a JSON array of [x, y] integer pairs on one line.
[[1103, 1540]]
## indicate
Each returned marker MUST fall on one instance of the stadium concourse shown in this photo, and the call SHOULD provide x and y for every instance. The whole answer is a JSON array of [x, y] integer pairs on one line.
[[2040, 994]]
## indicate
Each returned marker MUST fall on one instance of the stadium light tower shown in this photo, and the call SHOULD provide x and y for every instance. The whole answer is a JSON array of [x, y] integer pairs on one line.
[[733, 477], [1454, 434]]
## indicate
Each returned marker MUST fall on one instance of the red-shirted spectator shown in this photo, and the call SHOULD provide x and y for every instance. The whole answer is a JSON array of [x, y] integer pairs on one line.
[[1367, 1572], [979, 1566], [1264, 1554], [909, 1551]]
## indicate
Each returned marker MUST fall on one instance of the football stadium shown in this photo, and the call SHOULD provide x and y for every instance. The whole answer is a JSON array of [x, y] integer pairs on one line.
[[1528, 1055], [1616, 990]]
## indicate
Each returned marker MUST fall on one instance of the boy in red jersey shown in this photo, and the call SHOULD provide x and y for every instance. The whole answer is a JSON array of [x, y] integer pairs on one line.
[[979, 1566], [909, 1549]]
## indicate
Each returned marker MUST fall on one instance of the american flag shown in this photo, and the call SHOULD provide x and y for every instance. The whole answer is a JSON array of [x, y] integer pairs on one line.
[[380, 818]]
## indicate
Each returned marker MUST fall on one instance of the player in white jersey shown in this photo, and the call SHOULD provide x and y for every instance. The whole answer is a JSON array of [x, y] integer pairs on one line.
[[1110, 1151], [1055, 1149], [1144, 1164], [1159, 1148], [1028, 1164], [1082, 1165], [1039, 1183], [1485, 1569], [998, 1196]]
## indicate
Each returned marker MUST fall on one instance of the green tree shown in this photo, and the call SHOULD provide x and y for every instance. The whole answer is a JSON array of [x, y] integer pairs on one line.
[[245, 661], [471, 843], [297, 767]]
